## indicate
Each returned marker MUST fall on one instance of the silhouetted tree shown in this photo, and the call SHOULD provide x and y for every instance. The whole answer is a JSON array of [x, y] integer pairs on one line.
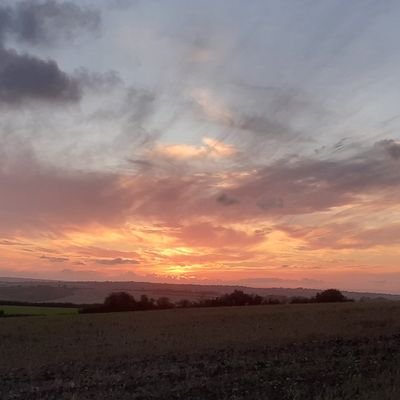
[[256, 300], [272, 301], [330, 296], [237, 298], [145, 303], [120, 301], [164, 302], [184, 303]]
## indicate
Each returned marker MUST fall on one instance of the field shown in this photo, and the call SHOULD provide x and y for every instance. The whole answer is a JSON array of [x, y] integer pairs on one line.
[[296, 352], [33, 310]]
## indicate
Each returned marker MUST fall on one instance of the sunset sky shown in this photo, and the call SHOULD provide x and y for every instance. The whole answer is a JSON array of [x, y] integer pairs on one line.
[[252, 142]]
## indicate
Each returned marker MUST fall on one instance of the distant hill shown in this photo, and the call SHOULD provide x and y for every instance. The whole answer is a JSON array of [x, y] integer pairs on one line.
[[35, 290]]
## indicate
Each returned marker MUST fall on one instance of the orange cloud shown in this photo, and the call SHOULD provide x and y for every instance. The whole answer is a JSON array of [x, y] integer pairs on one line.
[[211, 148], [299, 217]]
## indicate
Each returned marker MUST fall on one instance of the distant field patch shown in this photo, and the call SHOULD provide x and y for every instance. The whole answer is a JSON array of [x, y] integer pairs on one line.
[[32, 310]]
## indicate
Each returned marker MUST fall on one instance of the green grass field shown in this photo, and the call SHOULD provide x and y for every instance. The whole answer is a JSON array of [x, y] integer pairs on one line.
[[347, 351], [33, 310]]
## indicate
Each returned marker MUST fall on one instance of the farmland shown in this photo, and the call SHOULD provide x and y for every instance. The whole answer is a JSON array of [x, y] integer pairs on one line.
[[318, 351]]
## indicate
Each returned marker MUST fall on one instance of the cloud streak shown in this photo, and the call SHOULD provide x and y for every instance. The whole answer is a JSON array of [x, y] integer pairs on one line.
[[287, 187], [46, 22], [116, 261]]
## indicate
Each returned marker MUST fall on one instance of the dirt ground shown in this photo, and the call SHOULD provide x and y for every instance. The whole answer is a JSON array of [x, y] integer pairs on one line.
[[332, 351]]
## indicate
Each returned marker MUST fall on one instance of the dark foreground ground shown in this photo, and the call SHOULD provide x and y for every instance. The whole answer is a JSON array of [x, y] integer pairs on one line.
[[182, 354], [352, 369]]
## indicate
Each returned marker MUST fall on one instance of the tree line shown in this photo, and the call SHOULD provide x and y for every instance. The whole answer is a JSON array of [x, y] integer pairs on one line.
[[122, 301]]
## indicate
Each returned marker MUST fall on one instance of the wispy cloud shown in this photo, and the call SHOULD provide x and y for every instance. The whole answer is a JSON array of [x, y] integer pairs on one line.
[[116, 261]]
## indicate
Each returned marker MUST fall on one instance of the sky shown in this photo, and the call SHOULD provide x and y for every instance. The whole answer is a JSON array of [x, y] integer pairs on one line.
[[214, 142]]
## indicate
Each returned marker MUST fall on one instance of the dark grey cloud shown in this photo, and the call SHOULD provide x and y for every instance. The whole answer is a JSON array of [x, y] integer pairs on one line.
[[257, 116], [25, 77], [98, 81], [120, 4], [226, 200], [262, 125], [392, 147], [271, 202], [46, 22], [136, 117], [141, 105], [5, 21], [142, 164], [303, 185], [28, 77], [273, 111]]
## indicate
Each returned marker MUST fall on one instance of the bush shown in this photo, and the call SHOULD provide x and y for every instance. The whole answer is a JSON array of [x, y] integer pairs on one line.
[[145, 303], [300, 300], [2, 314], [93, 309]]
